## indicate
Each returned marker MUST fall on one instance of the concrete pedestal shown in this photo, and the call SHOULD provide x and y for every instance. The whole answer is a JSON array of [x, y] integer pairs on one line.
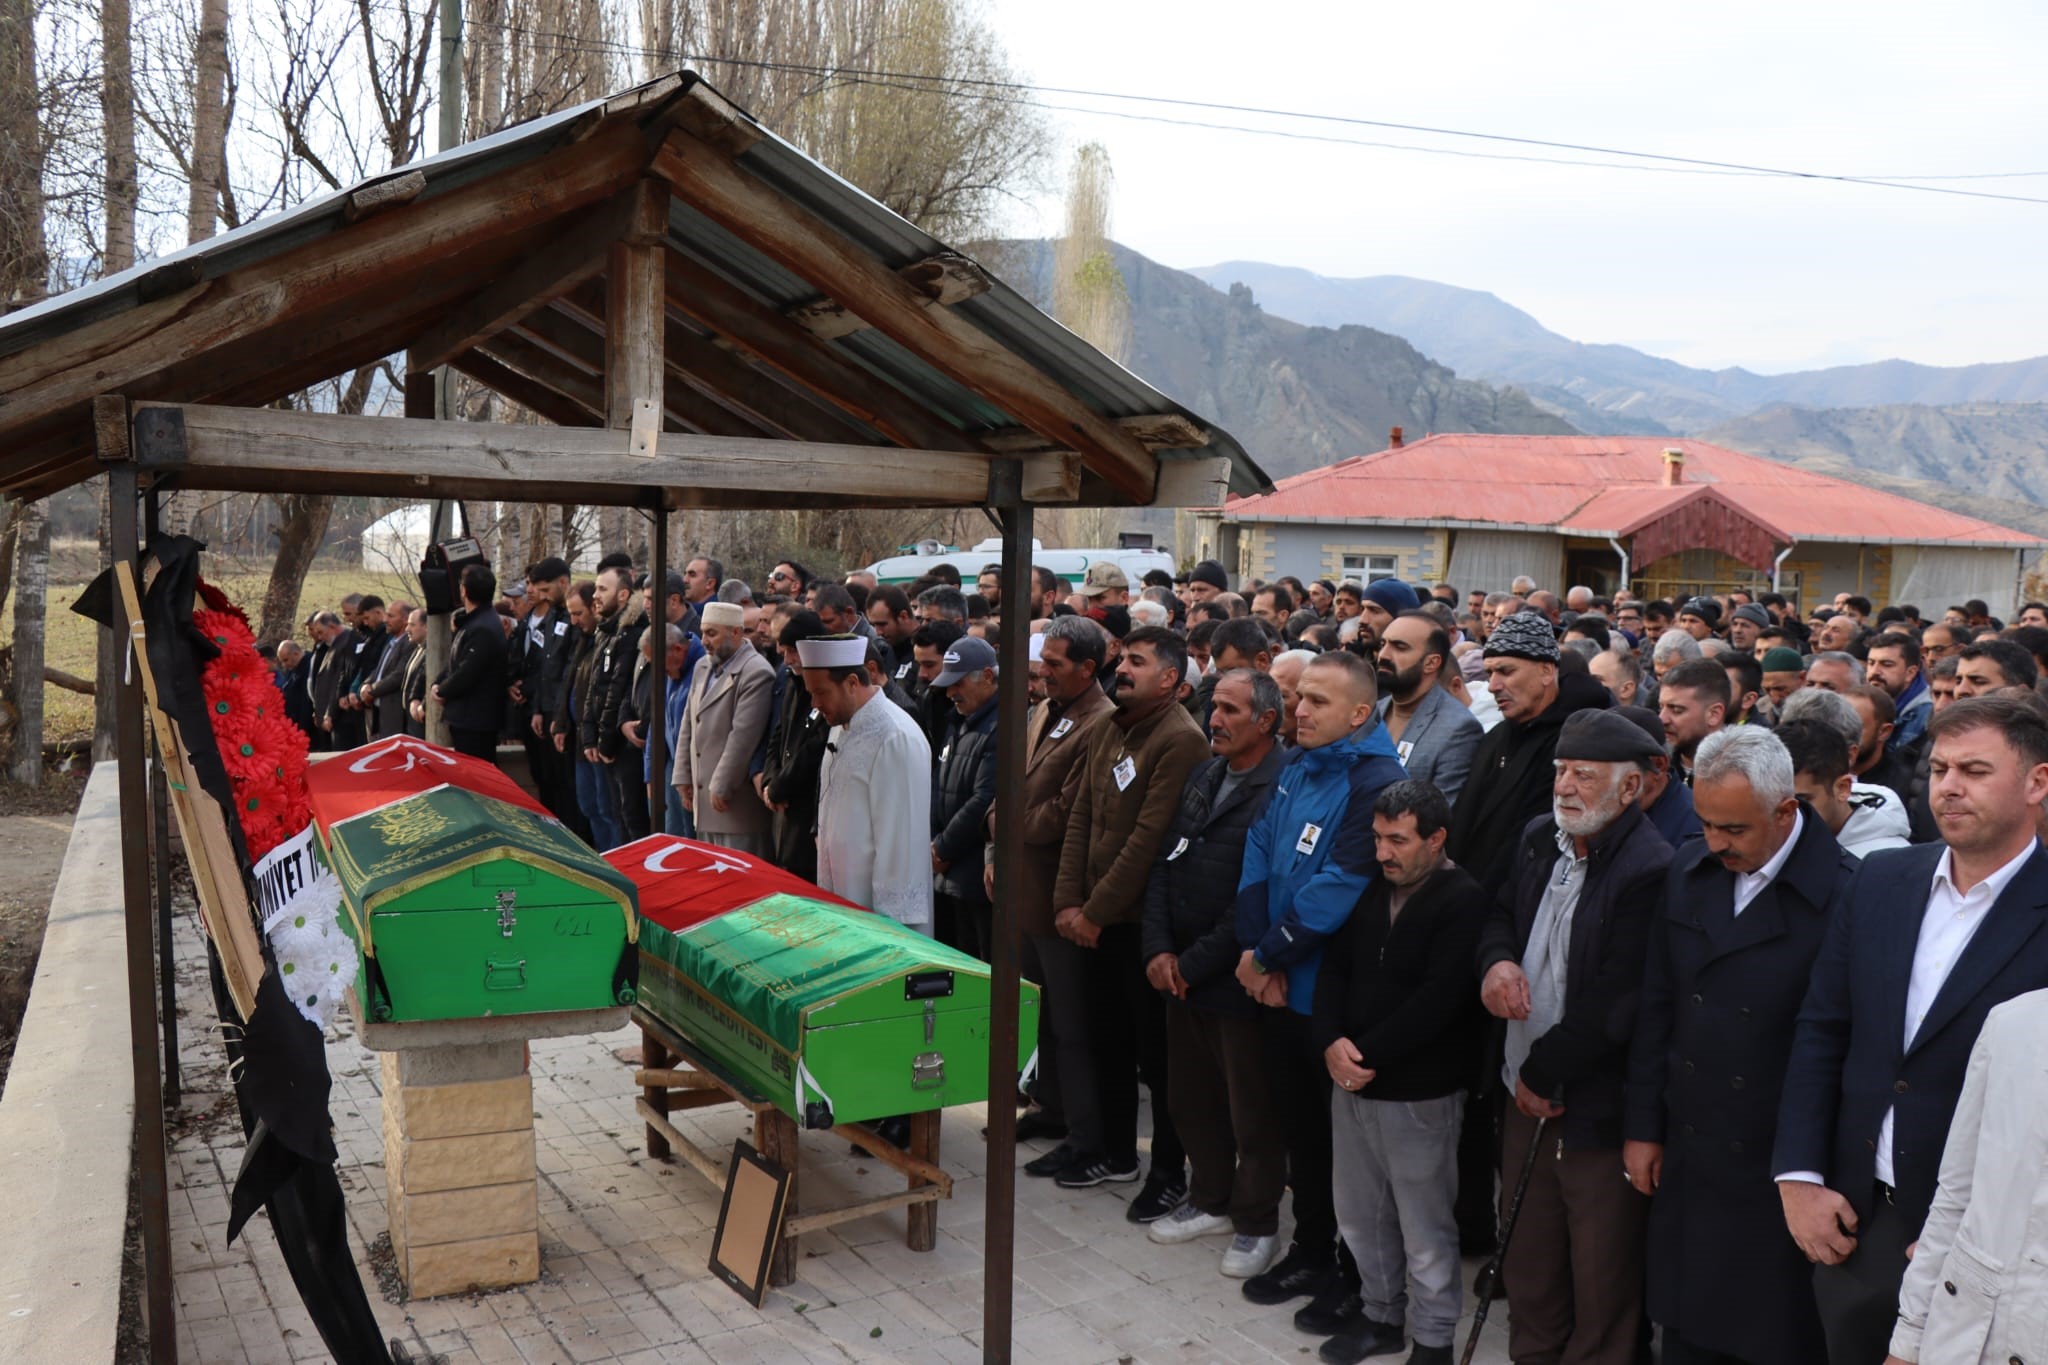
[[459, 1146]]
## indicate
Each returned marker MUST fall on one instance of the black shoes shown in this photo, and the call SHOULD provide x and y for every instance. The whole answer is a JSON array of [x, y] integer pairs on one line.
[[1363, 1339], [1296, 1274], [1054, 1161], [1335, 1310], [1162, 1195], [1038, 1124], [1086, 1172], [1430, 1355]]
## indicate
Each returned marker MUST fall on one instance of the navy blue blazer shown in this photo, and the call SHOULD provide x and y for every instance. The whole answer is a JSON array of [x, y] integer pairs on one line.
[[1850, 1060]]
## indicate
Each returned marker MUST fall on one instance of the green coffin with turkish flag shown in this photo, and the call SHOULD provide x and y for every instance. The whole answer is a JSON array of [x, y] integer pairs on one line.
[[836, 1014], [464, 897]]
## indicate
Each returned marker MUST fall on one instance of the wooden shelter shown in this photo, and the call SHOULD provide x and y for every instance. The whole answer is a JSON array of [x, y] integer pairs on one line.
[[707, 317]]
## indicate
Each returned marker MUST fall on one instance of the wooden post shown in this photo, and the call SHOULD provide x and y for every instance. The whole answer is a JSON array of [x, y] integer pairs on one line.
[[160, 866], [923, 1233], [110, 421], [654, 1057], [426, 393], [775, 1137], [656, 724], [1006, 481], [635, 313]]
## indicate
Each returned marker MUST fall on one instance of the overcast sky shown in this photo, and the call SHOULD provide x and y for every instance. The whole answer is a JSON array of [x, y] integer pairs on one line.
[[1711, 270]]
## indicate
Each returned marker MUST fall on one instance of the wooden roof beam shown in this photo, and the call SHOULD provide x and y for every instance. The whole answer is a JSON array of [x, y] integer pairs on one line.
[[536, 397], [568, 332], [578, 254], [806, 244], [1158, 431], [754, 329], [718, 370], [265, 448], [124, 350], [944, 280]]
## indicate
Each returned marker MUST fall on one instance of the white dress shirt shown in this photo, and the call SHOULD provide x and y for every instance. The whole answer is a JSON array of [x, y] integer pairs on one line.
[[1952, 920], [1750, 885]]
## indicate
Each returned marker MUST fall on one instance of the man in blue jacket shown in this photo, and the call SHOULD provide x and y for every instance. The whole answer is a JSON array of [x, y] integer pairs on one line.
[[1306, 863]]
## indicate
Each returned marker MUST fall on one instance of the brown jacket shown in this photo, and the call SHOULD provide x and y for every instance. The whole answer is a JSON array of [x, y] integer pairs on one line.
[[1114, 833], [1052, 775]]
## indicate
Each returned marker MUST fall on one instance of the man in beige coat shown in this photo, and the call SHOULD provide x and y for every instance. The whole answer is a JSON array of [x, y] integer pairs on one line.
[[1976, 1289], [726, 714]]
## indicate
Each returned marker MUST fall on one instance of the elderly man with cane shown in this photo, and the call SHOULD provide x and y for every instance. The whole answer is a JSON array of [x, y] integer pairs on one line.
[[1561, 962]]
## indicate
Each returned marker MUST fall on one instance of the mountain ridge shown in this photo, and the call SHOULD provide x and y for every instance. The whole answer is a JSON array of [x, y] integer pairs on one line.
[[1606, 388]]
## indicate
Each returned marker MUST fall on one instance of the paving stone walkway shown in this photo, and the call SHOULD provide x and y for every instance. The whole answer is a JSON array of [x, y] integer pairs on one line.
[[625, 1244]]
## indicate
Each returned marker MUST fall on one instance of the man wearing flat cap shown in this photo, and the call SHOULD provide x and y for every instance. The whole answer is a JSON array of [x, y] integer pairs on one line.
[[1746, 909], [1561, 961], [1507, 786]]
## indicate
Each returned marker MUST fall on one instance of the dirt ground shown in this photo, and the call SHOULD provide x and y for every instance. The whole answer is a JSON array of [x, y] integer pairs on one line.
[[35, 827]]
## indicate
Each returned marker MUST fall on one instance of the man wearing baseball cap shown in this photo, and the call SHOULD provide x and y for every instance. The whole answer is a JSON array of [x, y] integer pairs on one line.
[[1108, 592], [963, 788]]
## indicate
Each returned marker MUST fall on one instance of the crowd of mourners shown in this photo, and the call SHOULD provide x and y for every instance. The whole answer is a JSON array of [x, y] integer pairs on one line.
[[1688, 955]]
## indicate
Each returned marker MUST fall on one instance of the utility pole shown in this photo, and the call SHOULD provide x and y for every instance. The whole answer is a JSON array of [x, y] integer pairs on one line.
[[440, 525]]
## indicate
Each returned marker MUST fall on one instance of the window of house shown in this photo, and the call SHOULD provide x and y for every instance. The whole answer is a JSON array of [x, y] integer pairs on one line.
[[1369, 568]]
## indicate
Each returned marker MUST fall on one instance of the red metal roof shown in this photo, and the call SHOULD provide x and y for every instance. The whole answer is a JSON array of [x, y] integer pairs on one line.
[[1605, 485]]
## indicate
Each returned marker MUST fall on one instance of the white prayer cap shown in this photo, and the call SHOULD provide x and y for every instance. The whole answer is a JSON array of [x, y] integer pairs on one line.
[[722, 614], [833, 651], [1037, 649]]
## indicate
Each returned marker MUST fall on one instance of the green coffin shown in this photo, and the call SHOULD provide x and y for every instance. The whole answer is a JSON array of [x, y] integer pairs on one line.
[[836, 1015], [462, 907]]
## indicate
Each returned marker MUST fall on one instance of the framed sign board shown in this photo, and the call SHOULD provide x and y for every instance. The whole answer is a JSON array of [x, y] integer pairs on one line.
[[749, 1223]]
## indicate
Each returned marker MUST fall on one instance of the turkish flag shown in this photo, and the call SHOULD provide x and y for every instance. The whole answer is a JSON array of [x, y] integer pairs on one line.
[[683, 882], [389, 770]]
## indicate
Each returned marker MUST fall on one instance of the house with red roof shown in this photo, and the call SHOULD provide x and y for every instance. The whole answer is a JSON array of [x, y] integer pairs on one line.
[[1668, 518]]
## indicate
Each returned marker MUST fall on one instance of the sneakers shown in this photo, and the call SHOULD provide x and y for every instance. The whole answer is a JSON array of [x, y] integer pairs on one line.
[[1086, 1172], [1248, 1255], [1298, 1273], [1185, 1224], [1053, 1162], [1363, 1339], [1161, 1196], [1335, 1310]]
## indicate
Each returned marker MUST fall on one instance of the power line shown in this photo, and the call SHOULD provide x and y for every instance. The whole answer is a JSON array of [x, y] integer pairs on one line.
[[1023, 93]]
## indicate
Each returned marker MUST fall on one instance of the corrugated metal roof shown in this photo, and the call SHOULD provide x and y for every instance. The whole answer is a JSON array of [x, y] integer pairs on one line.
[[1607, 485], [48, 443]]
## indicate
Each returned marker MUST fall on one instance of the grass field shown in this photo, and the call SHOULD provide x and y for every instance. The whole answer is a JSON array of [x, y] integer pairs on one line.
[[71, 641]]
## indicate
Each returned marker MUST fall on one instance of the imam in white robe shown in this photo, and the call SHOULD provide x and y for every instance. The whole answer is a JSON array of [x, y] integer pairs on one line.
[[874, 814]]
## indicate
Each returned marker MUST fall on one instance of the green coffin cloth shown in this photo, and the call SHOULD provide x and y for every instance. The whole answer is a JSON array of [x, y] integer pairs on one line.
[[382, 855], [773, 960]]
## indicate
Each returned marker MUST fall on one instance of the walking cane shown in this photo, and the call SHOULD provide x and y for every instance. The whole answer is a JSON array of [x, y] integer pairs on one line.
[[1490, 1275]]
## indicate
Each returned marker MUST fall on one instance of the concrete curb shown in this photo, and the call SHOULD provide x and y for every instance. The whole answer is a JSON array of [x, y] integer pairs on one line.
[[67, 1119]]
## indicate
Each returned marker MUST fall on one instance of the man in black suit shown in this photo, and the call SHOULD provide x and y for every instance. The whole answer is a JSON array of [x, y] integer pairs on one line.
[[1745, 910], [1929, 939], [472, 689], [294, 679], [383, 690]]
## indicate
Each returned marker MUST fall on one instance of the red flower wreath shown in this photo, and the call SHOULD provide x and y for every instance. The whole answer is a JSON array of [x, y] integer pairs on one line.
[[264, 753]]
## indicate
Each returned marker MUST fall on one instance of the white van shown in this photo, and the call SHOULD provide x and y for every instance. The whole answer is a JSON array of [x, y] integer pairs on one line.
[[1071, 565]]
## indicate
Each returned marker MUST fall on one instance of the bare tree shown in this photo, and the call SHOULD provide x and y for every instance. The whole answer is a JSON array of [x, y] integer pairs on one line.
[[33, 580], [1089, 296], [209, 121], [24, 254]]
